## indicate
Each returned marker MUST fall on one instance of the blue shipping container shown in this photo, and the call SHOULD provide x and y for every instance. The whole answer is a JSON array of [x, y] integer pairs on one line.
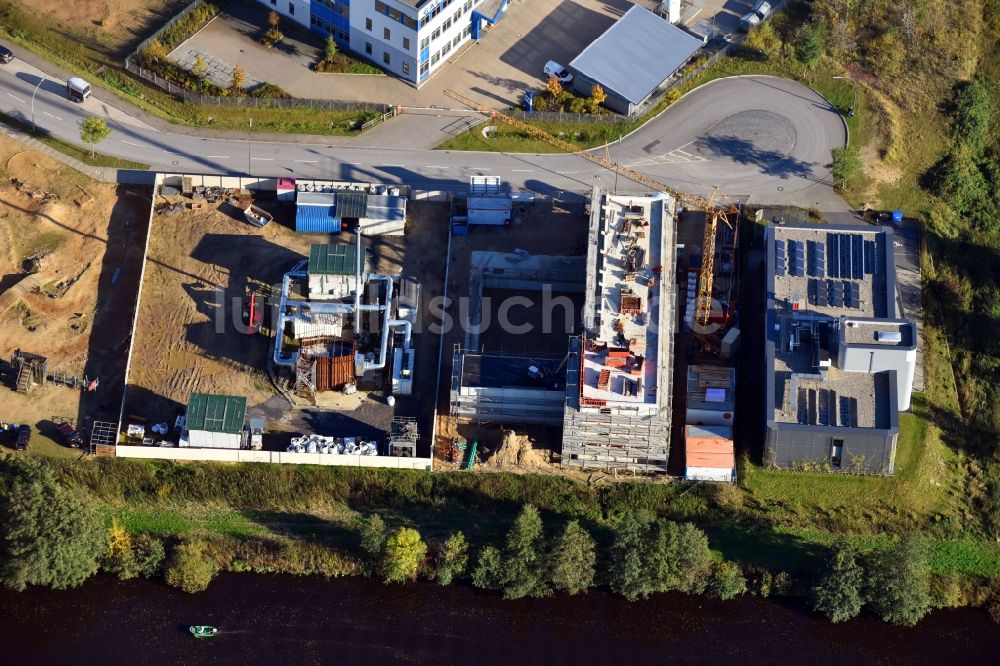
[[316, 220]]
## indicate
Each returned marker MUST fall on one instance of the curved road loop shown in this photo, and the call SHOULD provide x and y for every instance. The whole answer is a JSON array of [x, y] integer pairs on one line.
[[756, 136]]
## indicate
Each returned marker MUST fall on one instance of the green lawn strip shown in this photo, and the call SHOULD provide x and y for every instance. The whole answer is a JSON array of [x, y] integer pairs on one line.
[[166, 520], [85, 55], [77, 153]]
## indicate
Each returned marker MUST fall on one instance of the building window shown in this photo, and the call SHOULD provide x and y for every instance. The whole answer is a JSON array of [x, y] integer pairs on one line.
[[343, 35], [368, 24], [386, 35], [468, 6], [436, 33], [458, 16], [380, 7], [435, 57], [291, 9], [406, 43], [446, 25], [386, 58], [445, 49], [836, 452], [457, 40], [467, 31], [410, 22], [395, 15], [368, 48], [424, 68], [424, 43], [406, 68]]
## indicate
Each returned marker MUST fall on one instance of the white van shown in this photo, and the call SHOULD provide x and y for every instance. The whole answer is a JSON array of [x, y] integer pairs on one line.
[[554, 69], [79, 90]]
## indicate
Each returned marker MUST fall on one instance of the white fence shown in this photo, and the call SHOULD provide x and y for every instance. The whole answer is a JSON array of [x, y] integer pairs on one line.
[[244, 455]]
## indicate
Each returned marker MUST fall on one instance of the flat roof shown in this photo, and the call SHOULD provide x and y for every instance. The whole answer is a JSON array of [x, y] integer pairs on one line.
[[337, 259], [636, 54], [829, 283], [507, 371], [351, 204], [622, 357], [216, 413]]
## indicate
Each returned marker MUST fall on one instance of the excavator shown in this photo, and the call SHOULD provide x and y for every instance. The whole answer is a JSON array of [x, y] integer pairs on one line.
[[714, 212]]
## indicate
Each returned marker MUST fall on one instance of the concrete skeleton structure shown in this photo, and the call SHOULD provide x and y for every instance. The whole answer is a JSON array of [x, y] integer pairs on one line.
[[619, 372], [410, 39], [839, 359]]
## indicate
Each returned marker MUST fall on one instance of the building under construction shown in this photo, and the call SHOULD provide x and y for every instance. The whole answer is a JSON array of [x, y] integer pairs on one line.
[[619, 371]]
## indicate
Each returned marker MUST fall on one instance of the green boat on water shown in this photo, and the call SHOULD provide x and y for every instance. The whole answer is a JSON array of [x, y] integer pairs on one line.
[[203, 631]]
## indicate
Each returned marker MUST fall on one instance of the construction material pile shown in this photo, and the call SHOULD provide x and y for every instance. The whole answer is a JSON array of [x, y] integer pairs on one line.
[[516, 451], [345, 446]]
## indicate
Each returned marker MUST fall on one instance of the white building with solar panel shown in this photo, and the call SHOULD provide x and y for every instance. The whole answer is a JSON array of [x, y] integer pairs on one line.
[[839, 357]]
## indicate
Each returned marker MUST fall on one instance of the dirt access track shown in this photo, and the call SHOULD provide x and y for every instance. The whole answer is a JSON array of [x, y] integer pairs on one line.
[[70, 257]]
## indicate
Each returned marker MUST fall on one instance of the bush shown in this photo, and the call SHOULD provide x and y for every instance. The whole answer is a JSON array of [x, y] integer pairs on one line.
[[572, 559], [846, 165], [372, 536], [627, 571], [727, 581], [404, 552], [809, 47], [189, 568], [678, 557]]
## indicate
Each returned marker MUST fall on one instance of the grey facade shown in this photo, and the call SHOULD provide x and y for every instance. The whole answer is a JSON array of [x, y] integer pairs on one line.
[[839, 361]]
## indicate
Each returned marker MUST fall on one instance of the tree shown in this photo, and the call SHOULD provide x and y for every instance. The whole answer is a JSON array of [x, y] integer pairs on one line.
[[239, 76], [572, 559], [273, 19], [839, 594], [899, 583], [452, 558], [200, 67], [555, 88], [404, 551], [156, 51], [93, 131], [524, 574], [373, 537], [189, 568], [597, 97], [809, 47], [330, 49], [52, 535], [488, 574], [846, 165], [727, 581], [678, 558], [627, 571]]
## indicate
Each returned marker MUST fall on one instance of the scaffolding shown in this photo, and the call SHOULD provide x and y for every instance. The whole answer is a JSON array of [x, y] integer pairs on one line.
[[29, 370], [103, 437]]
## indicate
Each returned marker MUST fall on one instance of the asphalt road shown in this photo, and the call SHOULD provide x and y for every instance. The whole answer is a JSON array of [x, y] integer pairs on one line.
[[760, 136]]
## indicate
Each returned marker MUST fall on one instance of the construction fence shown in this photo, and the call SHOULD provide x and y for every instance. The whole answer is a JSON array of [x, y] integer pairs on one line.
[[275, 457]]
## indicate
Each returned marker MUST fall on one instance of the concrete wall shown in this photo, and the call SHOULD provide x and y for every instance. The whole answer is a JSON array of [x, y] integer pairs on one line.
[[244, 456], [789, 445]]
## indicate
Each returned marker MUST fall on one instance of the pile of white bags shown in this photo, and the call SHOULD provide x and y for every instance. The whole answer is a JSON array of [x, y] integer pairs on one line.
[[347, 446]]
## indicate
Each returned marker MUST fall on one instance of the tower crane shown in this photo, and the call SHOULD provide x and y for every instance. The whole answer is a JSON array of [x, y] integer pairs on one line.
[[713, 212]]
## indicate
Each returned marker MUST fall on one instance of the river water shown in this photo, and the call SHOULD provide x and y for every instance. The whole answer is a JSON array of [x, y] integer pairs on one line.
[[287, 620]]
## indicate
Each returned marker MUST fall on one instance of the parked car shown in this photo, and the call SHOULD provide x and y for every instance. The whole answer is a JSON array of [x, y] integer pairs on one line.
[[749, 21], [6, 55], [70, 436], [23, 437], [552, 68], [762, 8]]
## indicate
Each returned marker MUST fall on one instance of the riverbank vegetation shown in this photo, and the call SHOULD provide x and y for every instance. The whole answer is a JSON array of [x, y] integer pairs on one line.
[[638, 539]]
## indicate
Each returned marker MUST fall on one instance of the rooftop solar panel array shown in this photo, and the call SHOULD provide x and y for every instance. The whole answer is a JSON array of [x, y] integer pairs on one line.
[[817, 259], [870, 260], [796, 258], [779, 257]]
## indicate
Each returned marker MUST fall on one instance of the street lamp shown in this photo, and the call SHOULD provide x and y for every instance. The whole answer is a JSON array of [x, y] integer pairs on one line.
[[854, 97], [40, 82], [248, 147]]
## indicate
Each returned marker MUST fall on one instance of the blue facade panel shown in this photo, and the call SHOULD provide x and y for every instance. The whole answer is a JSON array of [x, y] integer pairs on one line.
[[316, 220], [327, 19]]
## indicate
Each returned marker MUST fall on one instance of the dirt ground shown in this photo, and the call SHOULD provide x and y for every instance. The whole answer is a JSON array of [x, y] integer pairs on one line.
[[199, 265], [76, 307], [120, 23]]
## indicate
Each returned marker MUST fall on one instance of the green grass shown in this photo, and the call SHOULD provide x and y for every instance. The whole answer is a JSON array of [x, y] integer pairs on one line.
[[178, 520], [86, 55], [77, 153]]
